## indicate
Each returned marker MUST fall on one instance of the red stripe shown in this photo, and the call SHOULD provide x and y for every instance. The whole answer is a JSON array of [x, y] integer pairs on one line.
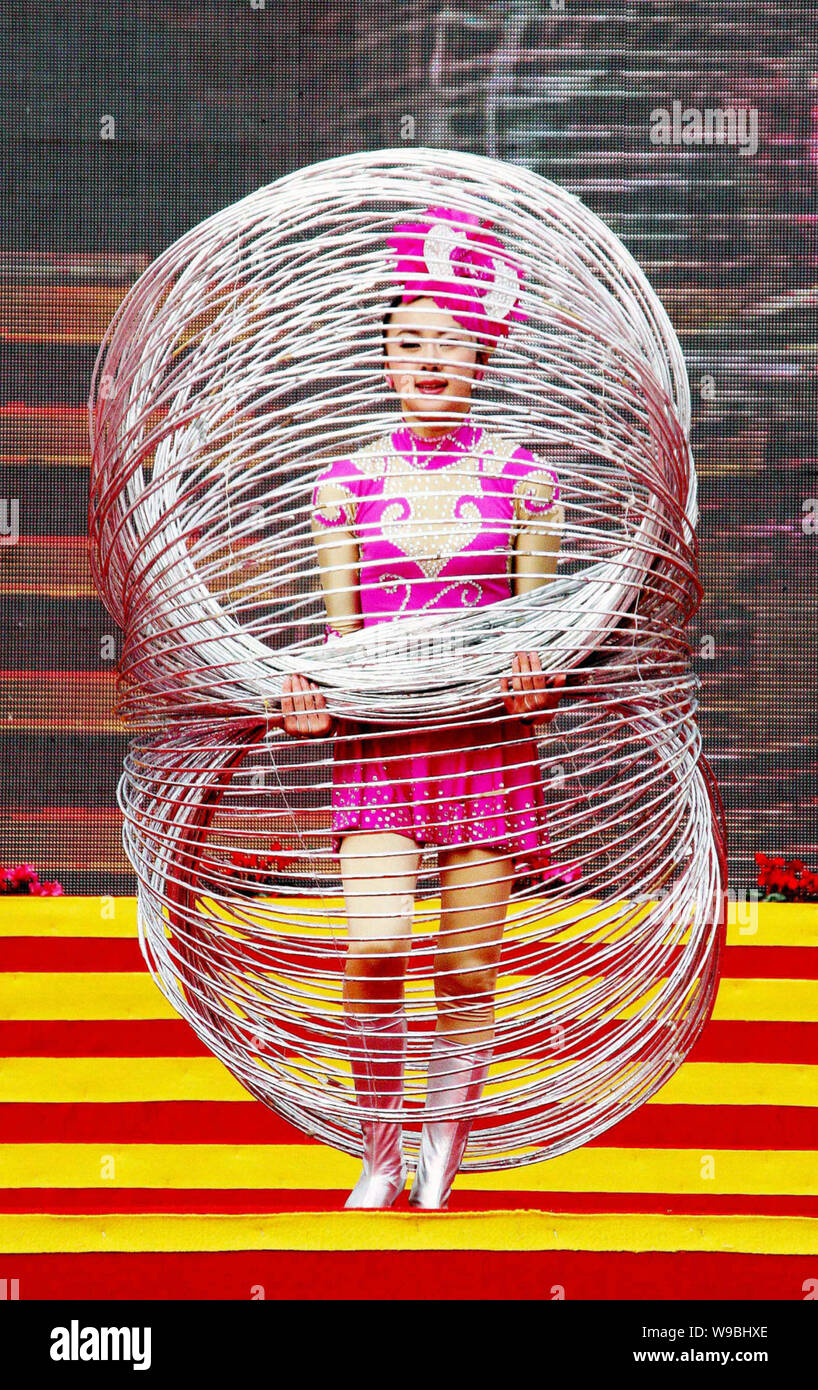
[[233, 1201], [721, 1041], [101, 1038], [419, 1275], [69, 953], [769, 963], [100, 954], [761, 1041], [212, 1122], [149, 1122]]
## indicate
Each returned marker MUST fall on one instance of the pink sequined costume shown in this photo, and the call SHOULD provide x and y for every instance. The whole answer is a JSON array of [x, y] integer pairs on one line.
[[435, 522]]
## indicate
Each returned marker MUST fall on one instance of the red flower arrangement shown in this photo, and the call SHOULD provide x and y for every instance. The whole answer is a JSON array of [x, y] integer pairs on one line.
[[786, 880], [23, 878]]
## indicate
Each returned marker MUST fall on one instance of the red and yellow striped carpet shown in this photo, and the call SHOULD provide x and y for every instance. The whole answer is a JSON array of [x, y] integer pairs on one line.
[[134, 1166]]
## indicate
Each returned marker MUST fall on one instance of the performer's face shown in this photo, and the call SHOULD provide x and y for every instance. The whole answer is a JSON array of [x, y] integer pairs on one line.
[[431, 363]]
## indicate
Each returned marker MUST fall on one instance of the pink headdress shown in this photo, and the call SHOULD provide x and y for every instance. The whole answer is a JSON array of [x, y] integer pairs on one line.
[[463, 267]]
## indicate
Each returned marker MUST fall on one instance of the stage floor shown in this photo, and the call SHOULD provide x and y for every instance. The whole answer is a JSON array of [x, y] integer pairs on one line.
[[133, 1165]]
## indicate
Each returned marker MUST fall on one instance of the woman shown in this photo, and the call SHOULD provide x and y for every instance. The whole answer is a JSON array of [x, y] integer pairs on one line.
[[440, 514]]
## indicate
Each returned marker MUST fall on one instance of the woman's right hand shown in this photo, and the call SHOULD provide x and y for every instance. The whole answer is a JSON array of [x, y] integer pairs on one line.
[[304, 708]]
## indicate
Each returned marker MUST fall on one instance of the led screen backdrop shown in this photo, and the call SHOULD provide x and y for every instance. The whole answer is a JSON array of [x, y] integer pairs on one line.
[[692, 129]]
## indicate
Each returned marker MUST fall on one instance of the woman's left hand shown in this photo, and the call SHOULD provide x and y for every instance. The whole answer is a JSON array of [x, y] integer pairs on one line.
[[530, 695]]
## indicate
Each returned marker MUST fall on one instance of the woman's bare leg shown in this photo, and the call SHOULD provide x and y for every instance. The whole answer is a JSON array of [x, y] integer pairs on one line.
[[476, 883], [379, 873], [475, 889]]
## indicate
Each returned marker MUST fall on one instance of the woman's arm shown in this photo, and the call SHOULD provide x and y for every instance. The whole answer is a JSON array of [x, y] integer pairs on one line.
[[333, 510], [338, 556], [539, 521]]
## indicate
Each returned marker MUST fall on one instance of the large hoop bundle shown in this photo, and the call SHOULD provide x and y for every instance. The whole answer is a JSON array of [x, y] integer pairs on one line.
[[243, 364]]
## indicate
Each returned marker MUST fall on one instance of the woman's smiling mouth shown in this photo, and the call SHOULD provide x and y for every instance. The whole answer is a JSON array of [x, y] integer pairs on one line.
[[431, 387]]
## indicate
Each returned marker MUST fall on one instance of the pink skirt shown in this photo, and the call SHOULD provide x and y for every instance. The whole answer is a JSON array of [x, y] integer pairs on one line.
[[474, 784]]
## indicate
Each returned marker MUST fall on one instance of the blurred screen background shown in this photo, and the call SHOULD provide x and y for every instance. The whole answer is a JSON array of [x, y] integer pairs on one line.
[[125, 126]]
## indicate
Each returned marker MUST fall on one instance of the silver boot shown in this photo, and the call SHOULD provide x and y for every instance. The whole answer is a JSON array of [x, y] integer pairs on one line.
[[377, 1052], [457, 1075]]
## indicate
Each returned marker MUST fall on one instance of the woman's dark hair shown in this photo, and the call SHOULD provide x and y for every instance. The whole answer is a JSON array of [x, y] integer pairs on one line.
[[482, 354]]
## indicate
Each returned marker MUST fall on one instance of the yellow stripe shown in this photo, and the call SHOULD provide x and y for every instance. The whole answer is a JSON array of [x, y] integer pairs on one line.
[[82, 995], [772, 924], [138, 1079], [133, 994], [740, 999], [110, 1079], [754, 1000], [68, 917], [749, 924], [740, 1083], [375, 1230], [316, 1166]]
